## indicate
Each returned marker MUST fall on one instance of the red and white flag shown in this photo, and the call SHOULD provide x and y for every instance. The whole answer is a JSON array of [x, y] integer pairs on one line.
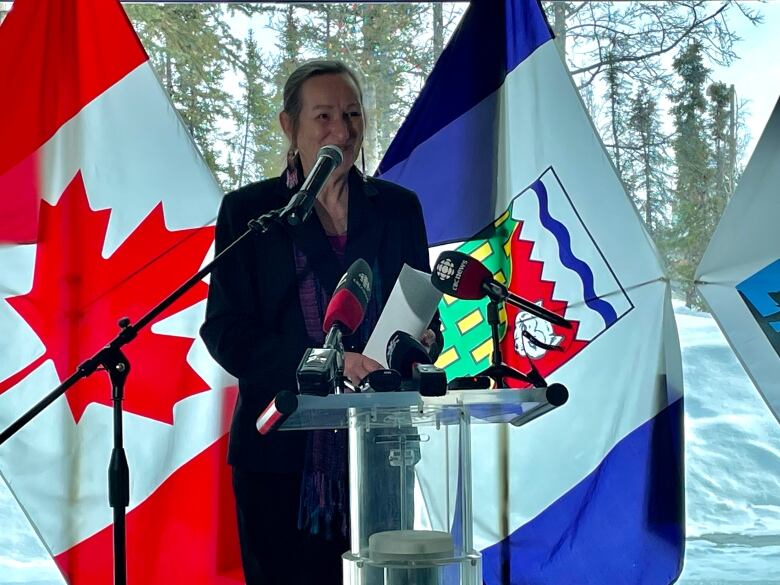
[[113, 208]]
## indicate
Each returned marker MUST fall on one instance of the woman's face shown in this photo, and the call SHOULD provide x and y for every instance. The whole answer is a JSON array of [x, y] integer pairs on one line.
[[331, 113]]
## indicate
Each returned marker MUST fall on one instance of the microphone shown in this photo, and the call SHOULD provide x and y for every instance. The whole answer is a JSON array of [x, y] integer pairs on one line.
[[321, 369], [299, 208], [403, 352], [347, 306], [380, 381], [461, 276], [409, 357], [277, 411]]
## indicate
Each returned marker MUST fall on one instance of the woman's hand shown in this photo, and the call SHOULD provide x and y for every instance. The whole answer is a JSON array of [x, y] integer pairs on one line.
[[428, 338], [357, 366]]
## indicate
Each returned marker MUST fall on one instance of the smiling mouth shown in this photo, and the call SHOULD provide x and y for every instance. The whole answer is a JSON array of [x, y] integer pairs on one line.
[[348, 150]]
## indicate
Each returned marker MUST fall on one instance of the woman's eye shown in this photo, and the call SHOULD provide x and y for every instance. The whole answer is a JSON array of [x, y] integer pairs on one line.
[[323, 116]]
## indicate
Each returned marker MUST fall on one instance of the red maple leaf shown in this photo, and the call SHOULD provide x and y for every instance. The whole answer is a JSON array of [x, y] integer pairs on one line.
[[77, 297]]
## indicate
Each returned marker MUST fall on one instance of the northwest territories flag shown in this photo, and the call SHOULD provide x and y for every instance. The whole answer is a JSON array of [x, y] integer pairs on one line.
[[123, 207], [739, 274], [510, 170]]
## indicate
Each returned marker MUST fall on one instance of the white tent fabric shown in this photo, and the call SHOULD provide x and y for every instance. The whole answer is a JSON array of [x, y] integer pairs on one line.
[[739, 274]]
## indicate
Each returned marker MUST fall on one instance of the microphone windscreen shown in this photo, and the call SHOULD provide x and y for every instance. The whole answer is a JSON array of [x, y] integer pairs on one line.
[[350, 299], [332, 152], [403, 351], [344, 308], [460, 276]]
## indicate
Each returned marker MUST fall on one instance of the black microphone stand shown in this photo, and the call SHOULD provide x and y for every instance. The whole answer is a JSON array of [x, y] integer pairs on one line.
[[115, 363], [498, 370], [335, 340]]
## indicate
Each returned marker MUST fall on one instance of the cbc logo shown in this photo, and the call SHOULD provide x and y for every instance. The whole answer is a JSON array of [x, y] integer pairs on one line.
[[445, 269]]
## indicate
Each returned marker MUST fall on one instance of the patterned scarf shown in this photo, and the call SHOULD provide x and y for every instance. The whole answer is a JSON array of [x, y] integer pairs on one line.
[[324, 504]]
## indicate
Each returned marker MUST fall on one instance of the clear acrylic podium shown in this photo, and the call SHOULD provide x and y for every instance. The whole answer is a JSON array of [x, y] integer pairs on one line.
[[410, 476]]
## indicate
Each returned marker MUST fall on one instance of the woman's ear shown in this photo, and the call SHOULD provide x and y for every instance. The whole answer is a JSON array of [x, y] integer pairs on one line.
[[286, 123]]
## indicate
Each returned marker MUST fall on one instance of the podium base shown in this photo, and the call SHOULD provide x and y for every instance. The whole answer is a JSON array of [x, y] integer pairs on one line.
[[415, 569]]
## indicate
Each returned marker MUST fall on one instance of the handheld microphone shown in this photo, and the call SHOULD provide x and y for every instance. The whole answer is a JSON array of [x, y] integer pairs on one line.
[[463, 277], [299, 208], [320, 369], [277, 411]]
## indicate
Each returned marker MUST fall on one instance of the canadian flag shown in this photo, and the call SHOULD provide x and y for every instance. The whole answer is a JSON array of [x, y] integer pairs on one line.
[[98, 172]]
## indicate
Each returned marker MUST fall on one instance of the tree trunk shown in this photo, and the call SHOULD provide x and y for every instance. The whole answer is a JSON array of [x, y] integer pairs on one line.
[[168, 74], [614, 115], [648, 186], [438, 30], [371, 135], [245, 141], [559, 25], [328, 23], [732, 146]]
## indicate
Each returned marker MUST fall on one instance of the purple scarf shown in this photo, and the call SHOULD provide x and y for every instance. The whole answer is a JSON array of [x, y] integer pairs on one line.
[[324, 504]]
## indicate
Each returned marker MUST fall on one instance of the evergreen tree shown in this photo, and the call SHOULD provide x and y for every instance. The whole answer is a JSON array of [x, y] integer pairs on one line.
[[694, 219], [650, 166], [289, 45], [618, 46], [438, 29], [644, 32], [722, 129], [330, 30], [285, 22], [389, 54], [188, 46], [617, 99], [390, 48], [257, 142]]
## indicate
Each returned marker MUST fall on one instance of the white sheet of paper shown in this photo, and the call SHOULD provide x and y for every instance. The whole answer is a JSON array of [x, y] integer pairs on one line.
[[410, 308]]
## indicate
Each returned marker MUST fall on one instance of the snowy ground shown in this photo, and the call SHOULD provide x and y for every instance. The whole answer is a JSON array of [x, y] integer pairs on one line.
[[732, 455], [733, 477]]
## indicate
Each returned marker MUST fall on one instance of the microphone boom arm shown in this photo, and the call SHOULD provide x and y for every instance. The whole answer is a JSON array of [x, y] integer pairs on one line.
[[498, 292]]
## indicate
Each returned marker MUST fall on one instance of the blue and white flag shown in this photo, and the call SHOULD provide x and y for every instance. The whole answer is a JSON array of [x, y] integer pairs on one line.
[[509, 168]]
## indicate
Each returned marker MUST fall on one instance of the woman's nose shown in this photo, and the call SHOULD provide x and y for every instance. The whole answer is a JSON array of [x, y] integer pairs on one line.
[[342, 129]]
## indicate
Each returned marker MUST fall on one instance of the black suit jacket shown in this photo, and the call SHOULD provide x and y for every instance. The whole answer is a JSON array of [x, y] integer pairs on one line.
[[254, 325]]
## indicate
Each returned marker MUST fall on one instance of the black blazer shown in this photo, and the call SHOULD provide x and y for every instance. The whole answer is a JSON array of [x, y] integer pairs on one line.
[[254, 325]]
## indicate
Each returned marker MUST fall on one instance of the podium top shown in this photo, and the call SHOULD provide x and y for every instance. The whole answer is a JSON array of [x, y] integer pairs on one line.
[[394, 409]]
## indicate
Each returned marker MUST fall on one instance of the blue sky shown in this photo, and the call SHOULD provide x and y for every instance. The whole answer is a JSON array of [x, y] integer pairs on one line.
[[756, 75]]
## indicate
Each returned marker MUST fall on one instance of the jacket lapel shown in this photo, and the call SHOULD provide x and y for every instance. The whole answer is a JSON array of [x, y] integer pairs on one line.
[[365, 224], [364, 229]]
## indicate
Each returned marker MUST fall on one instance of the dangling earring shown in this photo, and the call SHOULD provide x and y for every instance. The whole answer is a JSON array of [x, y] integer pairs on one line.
[[292, 169], [363, 162]]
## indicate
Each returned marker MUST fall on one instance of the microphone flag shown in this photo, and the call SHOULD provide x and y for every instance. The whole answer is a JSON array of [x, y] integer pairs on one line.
[[501, 151], [348, 304], [461, 276]]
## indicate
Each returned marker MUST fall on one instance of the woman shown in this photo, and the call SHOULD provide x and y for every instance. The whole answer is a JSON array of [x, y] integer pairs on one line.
[[266, 305]]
